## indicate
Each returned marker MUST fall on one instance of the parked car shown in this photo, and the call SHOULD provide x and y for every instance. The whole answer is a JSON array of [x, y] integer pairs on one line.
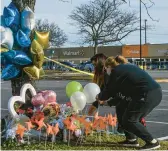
[[69, 64], [86, 66]]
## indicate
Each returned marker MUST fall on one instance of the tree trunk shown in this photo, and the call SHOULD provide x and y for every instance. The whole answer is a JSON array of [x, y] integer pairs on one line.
[[95, 48], [17, 83]]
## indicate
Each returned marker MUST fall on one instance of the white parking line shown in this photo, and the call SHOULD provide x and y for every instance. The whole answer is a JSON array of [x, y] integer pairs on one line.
[[3, 109], [162, 138], [157, 122], [161, 109], [165, 90]]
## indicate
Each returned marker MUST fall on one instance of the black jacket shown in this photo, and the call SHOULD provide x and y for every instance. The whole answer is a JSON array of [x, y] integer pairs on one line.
[[129, 80]]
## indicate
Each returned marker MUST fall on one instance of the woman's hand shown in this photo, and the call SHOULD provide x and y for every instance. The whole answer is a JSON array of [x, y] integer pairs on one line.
[[102, 102]]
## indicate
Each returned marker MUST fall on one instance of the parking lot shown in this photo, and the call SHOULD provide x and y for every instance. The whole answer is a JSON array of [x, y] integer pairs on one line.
[[157, 121]]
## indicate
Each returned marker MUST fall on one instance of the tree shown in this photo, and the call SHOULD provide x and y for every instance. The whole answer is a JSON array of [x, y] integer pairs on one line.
[[57, 35], [103, 22]]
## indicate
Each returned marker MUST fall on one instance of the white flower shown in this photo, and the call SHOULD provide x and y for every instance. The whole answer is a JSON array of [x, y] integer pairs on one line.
[[10, 133]]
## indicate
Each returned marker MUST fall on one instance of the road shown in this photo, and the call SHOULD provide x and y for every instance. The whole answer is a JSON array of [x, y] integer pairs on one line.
[[157, 120]]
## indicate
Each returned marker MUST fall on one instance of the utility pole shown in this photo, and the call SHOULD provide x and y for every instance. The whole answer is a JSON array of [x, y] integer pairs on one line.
[[145, 32], [140, 35]]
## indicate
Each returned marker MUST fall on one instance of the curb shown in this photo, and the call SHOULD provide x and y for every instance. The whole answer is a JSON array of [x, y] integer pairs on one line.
[[69, 77]]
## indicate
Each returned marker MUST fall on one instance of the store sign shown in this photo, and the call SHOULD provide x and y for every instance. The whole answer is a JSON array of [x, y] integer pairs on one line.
[[133, 51], [165, 52], [73, 53]]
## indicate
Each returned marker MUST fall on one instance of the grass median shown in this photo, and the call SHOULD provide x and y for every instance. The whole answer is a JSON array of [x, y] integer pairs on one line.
[[107, 143]]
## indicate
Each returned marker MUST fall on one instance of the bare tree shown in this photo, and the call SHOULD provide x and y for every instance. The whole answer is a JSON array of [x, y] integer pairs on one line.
[[102, 22], [57, 35], [21, 4]]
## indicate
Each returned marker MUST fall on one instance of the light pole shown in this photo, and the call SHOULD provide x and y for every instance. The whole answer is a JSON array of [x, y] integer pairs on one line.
[[145, 32], [140, 35]]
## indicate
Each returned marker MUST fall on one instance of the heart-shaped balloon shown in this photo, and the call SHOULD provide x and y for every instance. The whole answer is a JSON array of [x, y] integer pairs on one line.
[[20, 98]]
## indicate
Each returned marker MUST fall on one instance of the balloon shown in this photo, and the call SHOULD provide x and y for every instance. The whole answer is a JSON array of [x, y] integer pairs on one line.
[[32, 71], [78, 100], [11, 17], [37, 54], [42, 38], [2, 23], [73, 87], [6, 37], [27, 19], [9, 72], [17, 57], [90, 91], [2, 49], [78, 132], [49, 96], [3, 60], [42, 73], [38, 100], [22, 39], [20, 98]]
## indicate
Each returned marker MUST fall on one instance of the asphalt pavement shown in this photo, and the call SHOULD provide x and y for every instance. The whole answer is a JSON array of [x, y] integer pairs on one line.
[[157, 120]]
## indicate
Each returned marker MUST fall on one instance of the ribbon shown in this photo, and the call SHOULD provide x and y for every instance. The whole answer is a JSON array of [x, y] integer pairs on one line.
[[73, 69]]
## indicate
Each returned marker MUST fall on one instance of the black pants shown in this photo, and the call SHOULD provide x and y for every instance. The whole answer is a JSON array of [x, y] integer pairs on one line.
[[137, 109]]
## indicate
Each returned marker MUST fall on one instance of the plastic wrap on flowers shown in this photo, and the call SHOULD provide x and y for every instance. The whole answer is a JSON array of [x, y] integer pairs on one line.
[[66, 110], [12, 17], [37, 54], [22, 39], [6, 37], [27, 19], [42, 38], [33, 72], [10, 72], [17, 57]]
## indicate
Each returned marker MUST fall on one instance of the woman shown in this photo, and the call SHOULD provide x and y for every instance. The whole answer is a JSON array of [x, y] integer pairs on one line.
[[144, 95], [101, 78], [101, 75]]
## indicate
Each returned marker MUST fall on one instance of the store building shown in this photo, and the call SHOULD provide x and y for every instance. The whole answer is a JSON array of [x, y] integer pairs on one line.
[[154, 56], [80, 54]]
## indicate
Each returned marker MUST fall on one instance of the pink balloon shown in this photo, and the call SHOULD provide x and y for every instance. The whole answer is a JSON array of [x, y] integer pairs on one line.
[[49, 97], [38, 100]]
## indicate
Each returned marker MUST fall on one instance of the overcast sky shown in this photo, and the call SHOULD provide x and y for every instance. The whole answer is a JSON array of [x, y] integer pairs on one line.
[[58, 12]]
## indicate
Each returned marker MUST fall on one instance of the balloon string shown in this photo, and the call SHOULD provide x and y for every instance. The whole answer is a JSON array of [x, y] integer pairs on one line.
[[90, 74]]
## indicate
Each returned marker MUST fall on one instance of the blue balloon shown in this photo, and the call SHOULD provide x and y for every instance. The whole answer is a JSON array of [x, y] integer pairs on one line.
[[17, 57], [27, 19], [22, 39], [10, 72], [3, 60], [2, 23], [11, 17]]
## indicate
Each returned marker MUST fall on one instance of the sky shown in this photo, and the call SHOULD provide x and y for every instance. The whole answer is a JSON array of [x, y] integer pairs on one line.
[[58, 12]]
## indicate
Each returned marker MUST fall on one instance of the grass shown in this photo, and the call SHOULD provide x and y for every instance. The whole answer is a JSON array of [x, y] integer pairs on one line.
[[107, 143]]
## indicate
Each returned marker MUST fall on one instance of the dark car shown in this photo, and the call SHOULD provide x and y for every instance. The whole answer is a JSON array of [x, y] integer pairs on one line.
[[86, 66], [69, 64]]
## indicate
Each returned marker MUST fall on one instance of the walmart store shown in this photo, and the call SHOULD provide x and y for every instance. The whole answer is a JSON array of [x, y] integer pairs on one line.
[[154, 56]]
